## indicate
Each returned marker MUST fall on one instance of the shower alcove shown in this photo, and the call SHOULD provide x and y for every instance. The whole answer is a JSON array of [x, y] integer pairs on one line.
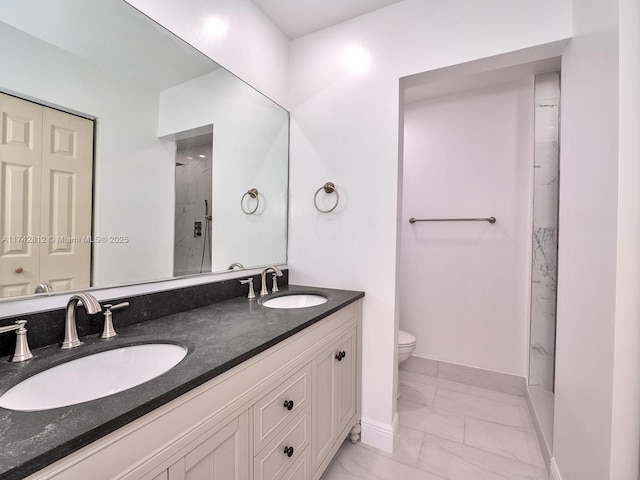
[[473, 294]]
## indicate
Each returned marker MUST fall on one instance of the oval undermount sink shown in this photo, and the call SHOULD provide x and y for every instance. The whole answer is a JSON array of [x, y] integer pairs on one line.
[[91, 377], [295, 300]]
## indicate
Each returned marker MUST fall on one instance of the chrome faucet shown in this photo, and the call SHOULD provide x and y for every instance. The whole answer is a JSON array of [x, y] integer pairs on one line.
[[91, 305], [44, 288], [276, 273]]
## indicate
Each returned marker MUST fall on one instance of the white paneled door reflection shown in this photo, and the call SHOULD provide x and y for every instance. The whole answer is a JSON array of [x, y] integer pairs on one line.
[[46, 164]]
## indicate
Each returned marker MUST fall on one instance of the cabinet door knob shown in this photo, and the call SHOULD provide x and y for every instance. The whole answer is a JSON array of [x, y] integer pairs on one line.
[[19, 270], [288, 451], [340, 356], [288, 404]]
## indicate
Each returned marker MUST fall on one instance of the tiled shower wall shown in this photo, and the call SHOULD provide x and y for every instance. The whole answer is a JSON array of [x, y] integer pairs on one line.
[[193, 187], [545, 231]]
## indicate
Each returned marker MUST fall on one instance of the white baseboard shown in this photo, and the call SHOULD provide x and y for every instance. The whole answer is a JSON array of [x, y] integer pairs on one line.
[[554, 472], [379, 435], [396, 426], [541, 406]]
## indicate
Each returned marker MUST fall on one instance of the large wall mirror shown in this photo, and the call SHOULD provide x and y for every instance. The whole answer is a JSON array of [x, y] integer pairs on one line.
[[189, 163]]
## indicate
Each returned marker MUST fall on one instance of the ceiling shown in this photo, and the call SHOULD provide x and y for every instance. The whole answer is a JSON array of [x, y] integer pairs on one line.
[[296, 18]]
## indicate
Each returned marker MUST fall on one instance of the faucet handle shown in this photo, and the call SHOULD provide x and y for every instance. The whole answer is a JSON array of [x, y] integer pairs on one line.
[[108, 331], [274, 287], [117, 306], [251, 294], [22, 351]]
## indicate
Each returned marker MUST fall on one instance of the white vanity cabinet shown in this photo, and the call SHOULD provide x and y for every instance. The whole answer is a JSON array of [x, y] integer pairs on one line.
[[222, 455], [334, 372], [281, 415]]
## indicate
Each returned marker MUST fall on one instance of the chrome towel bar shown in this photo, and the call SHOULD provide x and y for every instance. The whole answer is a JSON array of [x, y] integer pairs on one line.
[[488, 219]]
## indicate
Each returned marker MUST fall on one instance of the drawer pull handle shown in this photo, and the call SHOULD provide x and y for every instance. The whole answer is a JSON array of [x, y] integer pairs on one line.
[[288, 451], [288, 404], [340, 356]]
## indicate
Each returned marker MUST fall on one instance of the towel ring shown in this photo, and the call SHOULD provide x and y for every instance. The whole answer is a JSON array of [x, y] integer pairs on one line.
[[253, 193], [328, 188]]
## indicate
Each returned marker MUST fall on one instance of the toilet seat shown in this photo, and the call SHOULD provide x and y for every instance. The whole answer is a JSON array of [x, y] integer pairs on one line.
[[406, 345], [405, 339]]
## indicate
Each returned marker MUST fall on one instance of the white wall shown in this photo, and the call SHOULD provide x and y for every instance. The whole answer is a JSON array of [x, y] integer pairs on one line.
[[252, 47], [597, 394], [345, 130], [625, 437], [464, 287]]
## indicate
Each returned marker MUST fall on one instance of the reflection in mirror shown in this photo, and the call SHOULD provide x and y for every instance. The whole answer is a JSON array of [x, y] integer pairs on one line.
[[192, 251], [46, 159], [153, 99]]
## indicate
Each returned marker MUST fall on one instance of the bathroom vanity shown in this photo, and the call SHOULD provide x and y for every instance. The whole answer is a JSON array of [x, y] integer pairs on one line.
[[263, 393]]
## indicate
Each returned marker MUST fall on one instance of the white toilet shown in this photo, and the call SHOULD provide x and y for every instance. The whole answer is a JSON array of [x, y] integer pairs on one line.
[[406, 346]]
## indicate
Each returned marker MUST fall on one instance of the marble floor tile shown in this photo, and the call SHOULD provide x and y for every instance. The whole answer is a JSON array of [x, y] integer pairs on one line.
[[483, 408], [455, 461], [356, 462], [417, 392], [408, 447], [431, 420], [450, 430], [512, 442]]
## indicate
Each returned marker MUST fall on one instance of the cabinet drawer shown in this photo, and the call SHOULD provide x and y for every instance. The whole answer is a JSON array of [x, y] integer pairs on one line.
[[273, 461], [272, 411], [301, 469]]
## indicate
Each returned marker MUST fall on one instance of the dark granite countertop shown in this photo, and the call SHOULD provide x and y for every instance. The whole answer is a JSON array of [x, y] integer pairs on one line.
[[218, 337]]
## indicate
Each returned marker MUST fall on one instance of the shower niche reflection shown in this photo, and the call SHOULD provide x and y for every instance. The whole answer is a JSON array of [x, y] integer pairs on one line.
[[193, 205]]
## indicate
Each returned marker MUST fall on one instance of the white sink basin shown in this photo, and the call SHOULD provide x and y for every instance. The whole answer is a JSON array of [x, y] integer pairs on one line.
[[93, 376], [295, 300]]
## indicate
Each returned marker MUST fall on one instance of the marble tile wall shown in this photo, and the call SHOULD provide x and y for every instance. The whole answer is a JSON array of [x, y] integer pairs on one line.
[[545, 231], [193, 187]]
